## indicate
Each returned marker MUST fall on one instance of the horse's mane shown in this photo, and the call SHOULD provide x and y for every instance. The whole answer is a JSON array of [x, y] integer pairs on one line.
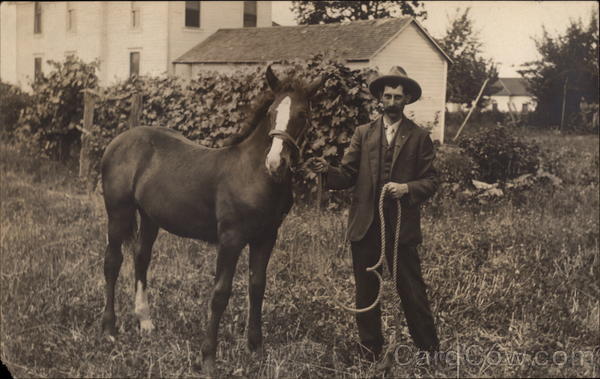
[[258, 109]]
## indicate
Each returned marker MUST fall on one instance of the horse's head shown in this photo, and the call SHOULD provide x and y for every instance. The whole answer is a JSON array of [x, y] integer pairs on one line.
[[289, 118]]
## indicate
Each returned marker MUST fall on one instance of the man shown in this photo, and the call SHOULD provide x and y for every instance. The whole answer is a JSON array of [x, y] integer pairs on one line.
[[393, 153]]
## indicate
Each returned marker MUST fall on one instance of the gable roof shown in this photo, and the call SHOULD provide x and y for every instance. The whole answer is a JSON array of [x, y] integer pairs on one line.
[[354, 41], [511, 87]]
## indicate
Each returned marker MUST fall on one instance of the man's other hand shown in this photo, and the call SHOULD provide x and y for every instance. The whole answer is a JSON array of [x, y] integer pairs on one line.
[[396, 190], [318, 165]]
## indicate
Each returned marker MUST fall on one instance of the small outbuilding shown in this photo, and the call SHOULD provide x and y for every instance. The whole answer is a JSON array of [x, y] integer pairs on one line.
[[379, 44], [511, 95]]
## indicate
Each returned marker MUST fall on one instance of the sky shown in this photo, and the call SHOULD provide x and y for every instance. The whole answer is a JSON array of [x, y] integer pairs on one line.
[[506, 28]]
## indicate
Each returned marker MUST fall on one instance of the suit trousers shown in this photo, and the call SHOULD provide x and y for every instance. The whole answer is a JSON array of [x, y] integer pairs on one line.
[[410, 286]]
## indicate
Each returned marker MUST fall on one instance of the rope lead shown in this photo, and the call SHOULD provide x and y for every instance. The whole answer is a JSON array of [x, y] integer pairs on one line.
[[381, 260]]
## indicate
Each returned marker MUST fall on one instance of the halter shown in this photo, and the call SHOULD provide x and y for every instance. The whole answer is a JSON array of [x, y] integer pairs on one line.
[[291, 142], [288, 139]]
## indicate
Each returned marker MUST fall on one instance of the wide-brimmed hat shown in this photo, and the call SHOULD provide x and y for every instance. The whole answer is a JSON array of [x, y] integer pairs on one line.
[[396, 76]]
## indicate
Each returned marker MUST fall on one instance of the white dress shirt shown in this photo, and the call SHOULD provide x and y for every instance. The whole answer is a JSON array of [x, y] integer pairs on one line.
[[390, 129]]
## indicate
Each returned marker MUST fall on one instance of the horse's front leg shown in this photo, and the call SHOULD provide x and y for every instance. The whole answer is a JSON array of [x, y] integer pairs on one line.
[[229, 250], [260, 252]]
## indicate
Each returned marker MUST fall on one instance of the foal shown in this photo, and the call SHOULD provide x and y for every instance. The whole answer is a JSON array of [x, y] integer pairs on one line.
[[231, 196]]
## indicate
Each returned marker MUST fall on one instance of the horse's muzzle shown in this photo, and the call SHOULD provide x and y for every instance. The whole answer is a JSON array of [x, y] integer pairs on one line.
[[278, 169]]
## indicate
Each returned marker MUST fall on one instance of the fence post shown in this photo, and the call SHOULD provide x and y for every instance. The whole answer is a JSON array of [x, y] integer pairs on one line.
[[136, 110], [89, 102]]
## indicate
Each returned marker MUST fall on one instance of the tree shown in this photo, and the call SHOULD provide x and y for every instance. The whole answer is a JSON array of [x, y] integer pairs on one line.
[[327, 12], [469, 69], [568, 66]]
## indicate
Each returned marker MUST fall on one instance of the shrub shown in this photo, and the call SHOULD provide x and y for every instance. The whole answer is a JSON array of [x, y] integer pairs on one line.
[[499, 155], [12, 102], [57, 105], [213, 107], [454, 166]]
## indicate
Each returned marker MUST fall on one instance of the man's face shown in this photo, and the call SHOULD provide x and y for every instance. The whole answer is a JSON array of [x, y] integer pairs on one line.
[[394, 100]]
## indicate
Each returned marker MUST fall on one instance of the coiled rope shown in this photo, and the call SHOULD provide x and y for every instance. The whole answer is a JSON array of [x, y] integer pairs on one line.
[[374, 269]]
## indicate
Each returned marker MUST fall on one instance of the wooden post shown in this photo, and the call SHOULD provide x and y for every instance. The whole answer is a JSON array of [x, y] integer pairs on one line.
[[136, 110], [512, 110], [471, 110], [564, 101], [89, 102]]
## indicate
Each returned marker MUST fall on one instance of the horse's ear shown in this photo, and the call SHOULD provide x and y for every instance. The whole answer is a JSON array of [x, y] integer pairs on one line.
[[272, 79], [315, 85]]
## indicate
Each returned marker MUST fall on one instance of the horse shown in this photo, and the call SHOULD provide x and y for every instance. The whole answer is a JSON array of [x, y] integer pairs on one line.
[[233, 196]]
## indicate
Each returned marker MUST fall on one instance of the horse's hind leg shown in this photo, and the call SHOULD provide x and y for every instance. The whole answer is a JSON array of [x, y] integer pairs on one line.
[[121, 226], [260, 253], [143, 254]]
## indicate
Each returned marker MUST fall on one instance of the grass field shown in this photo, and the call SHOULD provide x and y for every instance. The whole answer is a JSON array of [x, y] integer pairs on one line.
[[513, 285]]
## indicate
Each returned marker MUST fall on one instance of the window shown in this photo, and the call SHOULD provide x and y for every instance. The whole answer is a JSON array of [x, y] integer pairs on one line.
[[494, 106], [249, 13], [192, 14], [37, 68], [37, 18], [525, 108], [135, 16], [134, 63], [70, 17]]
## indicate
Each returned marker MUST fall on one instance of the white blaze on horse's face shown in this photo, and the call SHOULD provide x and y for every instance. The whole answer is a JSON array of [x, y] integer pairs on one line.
[[273, 161]]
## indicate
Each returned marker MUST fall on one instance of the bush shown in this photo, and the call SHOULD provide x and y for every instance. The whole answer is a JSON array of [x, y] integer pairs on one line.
[[213, 107], [12, 102], [454, 166], [499, 155], [57, 106]]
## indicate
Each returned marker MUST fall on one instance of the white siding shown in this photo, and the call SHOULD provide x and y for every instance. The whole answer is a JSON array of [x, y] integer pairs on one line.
[[150, 39], [103, 30], [518, 102], [423, 62], [54, 42], [8, 46], [264, 14]]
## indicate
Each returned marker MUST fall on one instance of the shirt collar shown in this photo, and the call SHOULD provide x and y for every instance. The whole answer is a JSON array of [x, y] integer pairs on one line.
[[386, 123]]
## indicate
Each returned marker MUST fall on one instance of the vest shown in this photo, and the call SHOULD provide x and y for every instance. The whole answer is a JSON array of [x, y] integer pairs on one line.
[[386, 155]]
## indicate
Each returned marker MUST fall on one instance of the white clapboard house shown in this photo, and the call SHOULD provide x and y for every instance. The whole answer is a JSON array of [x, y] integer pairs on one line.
[[511, 95], [183, 37]]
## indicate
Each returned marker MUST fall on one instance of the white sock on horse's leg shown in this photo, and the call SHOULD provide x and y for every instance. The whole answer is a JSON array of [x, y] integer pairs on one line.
[[142, 310]]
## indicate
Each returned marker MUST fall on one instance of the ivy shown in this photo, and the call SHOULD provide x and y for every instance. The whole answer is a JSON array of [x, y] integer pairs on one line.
[[57, 106], [208, 109]]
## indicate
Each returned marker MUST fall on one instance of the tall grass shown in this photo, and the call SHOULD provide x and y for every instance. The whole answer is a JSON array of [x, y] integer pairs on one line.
[[513, 286]]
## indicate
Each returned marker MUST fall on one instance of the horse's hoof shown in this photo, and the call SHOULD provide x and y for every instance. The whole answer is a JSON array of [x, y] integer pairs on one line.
[[109, 329], [256, 350], [146, 326], [385, 365], [209, 367]]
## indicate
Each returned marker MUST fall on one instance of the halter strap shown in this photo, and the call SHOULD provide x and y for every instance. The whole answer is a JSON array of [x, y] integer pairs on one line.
[[286, 139]]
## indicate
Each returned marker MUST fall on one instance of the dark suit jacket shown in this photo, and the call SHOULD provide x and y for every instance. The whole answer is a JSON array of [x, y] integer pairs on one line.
[[412, 164]]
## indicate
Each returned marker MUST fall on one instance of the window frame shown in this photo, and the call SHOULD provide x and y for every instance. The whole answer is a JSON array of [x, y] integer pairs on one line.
[[131, 63], [38, 71], [253, 17], [186, 17], [37, 17], [135, 12], [71, 18]]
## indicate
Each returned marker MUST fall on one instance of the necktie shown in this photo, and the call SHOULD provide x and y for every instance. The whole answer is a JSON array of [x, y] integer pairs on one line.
[[389, 133]]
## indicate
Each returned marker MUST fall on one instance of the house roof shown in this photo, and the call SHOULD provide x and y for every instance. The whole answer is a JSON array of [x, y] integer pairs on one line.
[[511, 87], [354, 41]]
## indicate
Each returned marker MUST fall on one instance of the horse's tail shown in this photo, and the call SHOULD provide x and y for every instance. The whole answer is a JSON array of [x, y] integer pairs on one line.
[[131, 237]]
